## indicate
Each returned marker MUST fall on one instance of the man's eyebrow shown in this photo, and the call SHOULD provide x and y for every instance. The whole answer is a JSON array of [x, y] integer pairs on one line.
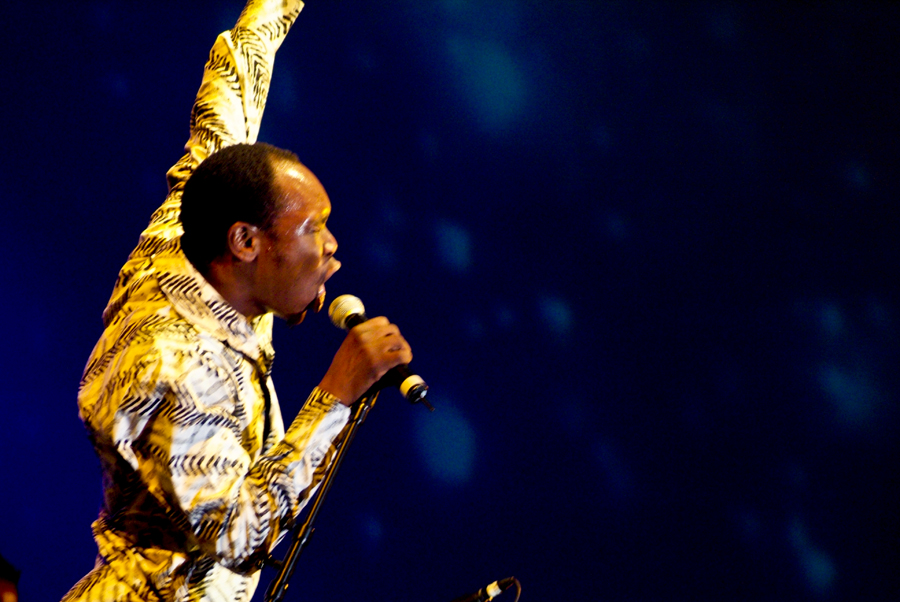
[[313, 221]]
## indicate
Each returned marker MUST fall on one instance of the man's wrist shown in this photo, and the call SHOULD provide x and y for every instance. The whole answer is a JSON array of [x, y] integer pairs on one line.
[[325, 398], [333, 393]]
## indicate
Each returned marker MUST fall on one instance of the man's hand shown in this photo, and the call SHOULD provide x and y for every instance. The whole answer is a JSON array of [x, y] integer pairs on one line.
[[369, 351]]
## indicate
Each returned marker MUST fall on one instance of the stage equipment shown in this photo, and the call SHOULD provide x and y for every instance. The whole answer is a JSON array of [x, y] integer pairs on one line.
[[493, 590]]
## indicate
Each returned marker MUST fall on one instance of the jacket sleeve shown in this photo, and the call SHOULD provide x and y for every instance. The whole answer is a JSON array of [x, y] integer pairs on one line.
[[168, 419], [230, 103]]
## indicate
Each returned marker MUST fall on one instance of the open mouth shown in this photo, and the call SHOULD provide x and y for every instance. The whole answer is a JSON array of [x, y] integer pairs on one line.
[[318, 303]]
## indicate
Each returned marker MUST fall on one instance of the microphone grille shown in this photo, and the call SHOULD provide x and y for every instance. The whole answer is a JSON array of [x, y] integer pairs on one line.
[[342, 308]]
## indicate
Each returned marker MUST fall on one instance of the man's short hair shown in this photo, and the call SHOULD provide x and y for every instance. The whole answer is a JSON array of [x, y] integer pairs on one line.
[[234, 184]]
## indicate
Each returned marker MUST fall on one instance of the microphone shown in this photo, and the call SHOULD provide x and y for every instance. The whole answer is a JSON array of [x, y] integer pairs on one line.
[[348, 311], [489, 592]]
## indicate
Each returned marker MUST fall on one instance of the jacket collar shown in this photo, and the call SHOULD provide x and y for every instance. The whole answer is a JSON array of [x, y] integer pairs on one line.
[[198, 302]]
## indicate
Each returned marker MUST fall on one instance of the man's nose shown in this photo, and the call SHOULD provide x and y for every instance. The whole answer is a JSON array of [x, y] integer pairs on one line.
[[331, 243]]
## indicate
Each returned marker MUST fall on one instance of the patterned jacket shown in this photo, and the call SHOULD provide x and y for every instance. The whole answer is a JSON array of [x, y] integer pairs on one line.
[[200, 478]]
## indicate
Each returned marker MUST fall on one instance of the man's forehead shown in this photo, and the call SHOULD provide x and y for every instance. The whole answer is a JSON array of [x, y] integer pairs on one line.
[[295, 172], [300, 189]]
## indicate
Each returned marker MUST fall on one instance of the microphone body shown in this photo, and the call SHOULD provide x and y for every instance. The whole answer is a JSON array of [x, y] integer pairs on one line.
[[348, 311]]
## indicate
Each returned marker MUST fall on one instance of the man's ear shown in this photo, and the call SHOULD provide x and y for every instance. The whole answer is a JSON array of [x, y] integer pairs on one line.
[[244, 241]]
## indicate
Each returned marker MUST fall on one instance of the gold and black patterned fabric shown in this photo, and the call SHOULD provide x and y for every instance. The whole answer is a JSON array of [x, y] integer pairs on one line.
[[200, 478]]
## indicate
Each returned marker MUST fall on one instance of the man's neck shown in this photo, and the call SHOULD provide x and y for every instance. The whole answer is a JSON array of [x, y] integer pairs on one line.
[[227, 279]]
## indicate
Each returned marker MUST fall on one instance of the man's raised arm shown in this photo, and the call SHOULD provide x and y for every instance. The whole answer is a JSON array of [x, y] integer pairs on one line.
[[230, 103], [228, 110]]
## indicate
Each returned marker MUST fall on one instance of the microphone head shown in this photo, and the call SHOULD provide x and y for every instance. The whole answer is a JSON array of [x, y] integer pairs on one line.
[[343, 307]]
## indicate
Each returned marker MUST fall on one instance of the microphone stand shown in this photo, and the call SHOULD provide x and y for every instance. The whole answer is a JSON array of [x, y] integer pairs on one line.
[[279, 585]]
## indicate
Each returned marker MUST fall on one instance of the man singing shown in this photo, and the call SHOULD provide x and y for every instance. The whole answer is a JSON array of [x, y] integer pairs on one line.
[[201, 479]]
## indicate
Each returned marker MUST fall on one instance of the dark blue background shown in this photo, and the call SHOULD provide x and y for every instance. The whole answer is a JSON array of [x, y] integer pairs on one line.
[[646, 255]]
